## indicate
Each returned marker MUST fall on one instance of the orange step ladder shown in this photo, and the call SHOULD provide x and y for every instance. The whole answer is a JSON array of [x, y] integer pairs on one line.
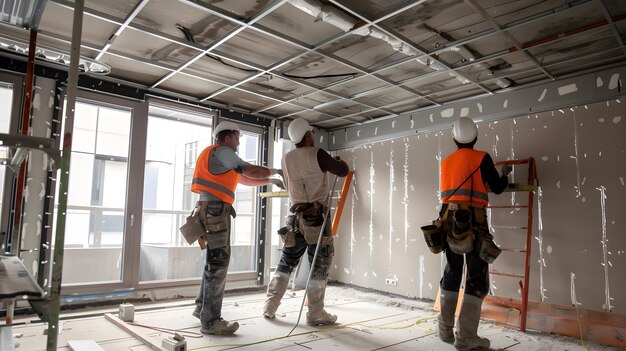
[[530, 187]]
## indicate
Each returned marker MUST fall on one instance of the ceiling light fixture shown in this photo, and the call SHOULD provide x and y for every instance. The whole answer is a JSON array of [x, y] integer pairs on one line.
[[85, 64]]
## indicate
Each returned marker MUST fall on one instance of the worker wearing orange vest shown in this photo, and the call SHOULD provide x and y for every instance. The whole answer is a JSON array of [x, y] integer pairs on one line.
[[464, 198], [217, 173]]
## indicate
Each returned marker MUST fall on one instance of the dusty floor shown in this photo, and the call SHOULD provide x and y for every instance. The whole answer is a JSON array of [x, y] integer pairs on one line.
[[368, 321]]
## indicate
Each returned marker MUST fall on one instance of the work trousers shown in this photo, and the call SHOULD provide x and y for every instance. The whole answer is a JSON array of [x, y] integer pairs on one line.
[[477, 282], [290, 256], [214, 280]]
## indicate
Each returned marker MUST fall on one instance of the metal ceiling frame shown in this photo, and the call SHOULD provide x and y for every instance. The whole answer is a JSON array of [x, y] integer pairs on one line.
[[305, 49], [445, 47], [547, 64], [524, 101], [119, 31]]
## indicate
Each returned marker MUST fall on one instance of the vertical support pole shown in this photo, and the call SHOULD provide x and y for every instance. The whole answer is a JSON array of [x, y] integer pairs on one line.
[[342, 201], [21, 176], [10, 311], [531, 198], [59, 242]]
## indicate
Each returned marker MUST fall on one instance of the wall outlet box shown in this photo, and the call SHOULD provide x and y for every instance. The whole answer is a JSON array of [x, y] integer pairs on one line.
[[127, 312], [171, 344], [391, 281]]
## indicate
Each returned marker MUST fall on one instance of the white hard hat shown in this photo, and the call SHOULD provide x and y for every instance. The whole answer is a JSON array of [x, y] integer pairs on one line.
[[225, 125], [464, 130], [297, 129]]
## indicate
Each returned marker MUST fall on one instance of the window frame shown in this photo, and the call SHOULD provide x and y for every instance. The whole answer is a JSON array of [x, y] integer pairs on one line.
[[16, 115]]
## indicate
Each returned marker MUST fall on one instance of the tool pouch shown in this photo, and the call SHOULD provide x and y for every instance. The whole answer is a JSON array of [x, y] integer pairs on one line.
[[193, 227], [433, 234], [214, 215], [310, 217], [287, 234], [487, 249]]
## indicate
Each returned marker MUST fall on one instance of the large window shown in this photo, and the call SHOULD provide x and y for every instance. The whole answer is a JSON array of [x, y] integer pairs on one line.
[[174, 141], [94, 230]]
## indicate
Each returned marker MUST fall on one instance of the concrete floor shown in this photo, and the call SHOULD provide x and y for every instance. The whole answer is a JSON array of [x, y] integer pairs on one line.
[[368, 321]]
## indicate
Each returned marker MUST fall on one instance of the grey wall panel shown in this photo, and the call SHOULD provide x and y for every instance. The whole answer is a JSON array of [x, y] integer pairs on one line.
[[579, 150]]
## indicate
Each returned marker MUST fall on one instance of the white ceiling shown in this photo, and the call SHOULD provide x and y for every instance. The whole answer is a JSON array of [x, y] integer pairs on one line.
[[273, 59]]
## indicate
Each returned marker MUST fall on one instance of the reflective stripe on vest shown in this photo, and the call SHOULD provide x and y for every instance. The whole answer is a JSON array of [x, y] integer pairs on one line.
[[221, 185], [455, 169]]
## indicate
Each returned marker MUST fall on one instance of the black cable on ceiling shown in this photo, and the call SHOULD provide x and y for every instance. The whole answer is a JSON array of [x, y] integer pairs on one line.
[[190, 38]]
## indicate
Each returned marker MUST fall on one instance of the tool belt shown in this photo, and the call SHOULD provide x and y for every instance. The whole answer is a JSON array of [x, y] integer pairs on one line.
[[209, 220], [461, 220], [466, 231], [309, 221]]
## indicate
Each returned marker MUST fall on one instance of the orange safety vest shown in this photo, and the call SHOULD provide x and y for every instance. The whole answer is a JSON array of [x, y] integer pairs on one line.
[[221, 185], [455, 169]]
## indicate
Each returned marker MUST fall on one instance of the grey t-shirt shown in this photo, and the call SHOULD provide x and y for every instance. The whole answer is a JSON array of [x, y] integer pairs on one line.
[[222, 160]]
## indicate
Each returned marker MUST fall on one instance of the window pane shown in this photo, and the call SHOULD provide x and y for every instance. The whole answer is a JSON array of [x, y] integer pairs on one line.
[[244, 233], [94, 231], [113, 132], [84, 137], [174, 141], [280, 205]]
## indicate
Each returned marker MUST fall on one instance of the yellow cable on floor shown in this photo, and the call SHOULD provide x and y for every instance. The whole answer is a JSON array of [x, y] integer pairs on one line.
[[342, 326]]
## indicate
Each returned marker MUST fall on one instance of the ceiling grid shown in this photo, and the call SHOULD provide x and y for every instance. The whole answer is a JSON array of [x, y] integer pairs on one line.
[[338, 63]]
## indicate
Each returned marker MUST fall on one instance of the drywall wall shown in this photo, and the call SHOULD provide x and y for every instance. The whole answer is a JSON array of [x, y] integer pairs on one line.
[[42, 109], [579, 215]]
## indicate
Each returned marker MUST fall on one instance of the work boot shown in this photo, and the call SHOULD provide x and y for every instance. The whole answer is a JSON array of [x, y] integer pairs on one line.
[[317, 315], [275, 291], [219, 327], [447, 300], [196, 311], [467, 328]]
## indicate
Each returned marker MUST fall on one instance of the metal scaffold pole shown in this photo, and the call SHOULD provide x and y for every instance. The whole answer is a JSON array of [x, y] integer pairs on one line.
[[59, 242]]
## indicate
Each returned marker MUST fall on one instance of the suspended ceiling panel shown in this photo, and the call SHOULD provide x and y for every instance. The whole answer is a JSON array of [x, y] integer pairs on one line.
[[152, 48], [356, 86], [297, 25], [94, 30], [203, 27], [189, 85], [362, 51], [240, 9], [241, 99], [219, 70], [133, 70], [281, 60], [406, 70], [116, 8]]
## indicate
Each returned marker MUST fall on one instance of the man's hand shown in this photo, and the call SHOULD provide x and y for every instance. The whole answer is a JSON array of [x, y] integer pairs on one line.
[[279, 183], [506, 169], [276, 171]]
